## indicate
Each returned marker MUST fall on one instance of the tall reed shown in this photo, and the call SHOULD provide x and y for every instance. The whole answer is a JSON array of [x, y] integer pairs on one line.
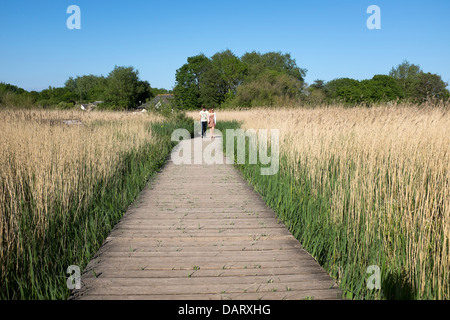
[[63, 187], [362, 187]]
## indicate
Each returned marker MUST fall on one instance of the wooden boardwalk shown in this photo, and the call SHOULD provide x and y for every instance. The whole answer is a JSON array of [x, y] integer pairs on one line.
[[201, 232]]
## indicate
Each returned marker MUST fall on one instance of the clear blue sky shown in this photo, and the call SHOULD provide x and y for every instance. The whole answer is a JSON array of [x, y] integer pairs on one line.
[[329, 38]]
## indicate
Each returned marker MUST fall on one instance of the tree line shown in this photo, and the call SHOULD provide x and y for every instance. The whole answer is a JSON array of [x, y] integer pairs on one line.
[[404, 82], [122, 89], [274, 78], [226, 80]]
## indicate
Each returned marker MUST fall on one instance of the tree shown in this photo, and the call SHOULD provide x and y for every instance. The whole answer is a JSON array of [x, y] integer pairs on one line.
[[212, 89], [220, 81], [189, 79], [271, 78], [53, 96], [124, 90], [13, 96], [275, 61], [269, 88], [143, 92], [254, 64], [318, 84], [315, 93], [87, 88], [9, 88], [406, 75], [344, 89], [217, 81], [157, 91], [283, 63], [380, 88], [230, 69], [430, 86]]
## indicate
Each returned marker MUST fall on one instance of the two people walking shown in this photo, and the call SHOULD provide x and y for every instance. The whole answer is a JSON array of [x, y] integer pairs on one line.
[[208, 120]]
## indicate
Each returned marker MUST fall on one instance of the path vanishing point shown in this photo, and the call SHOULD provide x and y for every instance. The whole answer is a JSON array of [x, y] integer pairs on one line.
[[201, 232]]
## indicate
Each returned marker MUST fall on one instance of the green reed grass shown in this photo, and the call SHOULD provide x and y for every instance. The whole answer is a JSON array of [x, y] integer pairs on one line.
[[348, 247], [74, 233]]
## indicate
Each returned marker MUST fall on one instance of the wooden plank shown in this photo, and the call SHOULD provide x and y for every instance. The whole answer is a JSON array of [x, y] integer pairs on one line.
[[140, 258], [143, 247], [201, 227], [210, 238], [193, 280], [190, 264], [279, 254], [130, 244], [100, 271], [111, 288], [327, 294], [219, 232]]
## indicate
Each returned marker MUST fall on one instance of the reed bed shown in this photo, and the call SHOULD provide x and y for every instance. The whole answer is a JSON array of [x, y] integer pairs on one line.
[[63, 187], [361, 187]]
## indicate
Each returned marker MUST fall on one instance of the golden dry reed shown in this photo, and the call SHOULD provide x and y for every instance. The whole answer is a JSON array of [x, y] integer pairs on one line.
[[46, 161], [392, 166]]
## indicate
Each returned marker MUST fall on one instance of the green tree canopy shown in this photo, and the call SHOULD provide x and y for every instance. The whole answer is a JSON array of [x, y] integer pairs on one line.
[[430, 86], [344, 89], [227, 79], [88, 88], [318, 84], [9, 88], [124, 90], [189, 80], [269, 88], [406, 74], [276, 61], [380, 88], [222, 79]]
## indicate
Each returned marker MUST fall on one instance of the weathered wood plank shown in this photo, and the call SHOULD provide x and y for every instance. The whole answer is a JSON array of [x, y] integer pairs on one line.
[[192, 279], [111, 287], [311, 294], [190, 264], [203, 273], [143, 245]]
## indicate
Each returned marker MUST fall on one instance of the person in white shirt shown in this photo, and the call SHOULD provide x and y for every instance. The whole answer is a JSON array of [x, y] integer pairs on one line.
[[204, 116]]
